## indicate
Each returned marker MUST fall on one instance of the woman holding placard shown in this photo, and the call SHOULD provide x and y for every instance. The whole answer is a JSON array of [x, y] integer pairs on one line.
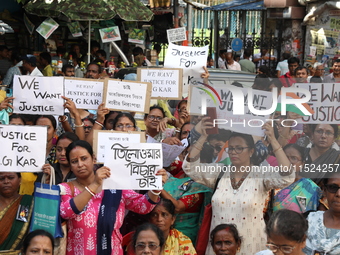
[[242, 189], [89, 231], [153, 121], [104, 121]]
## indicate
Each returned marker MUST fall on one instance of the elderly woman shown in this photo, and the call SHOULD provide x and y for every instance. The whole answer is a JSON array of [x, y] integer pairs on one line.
[[148, 238], [303, 195], [324, 226], [94, 215], [225, 239], [15, 213], [176, 243], [321, 155], [241, 192]]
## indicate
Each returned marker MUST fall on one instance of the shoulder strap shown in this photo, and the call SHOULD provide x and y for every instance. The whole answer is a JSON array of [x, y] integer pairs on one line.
[[218, 180], [71, 185]]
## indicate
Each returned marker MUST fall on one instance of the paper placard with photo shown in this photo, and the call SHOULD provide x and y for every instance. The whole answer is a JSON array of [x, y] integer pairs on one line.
[[75, 29], [137, 35], [47, 27], [110, 34]]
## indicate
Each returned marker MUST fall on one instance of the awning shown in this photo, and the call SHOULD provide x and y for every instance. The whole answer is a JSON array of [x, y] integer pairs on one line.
[[234, 4], [249, 7], [131, 10]]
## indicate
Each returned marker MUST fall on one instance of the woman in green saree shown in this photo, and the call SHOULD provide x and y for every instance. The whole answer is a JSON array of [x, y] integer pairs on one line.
[[189, 198], [15, 213]]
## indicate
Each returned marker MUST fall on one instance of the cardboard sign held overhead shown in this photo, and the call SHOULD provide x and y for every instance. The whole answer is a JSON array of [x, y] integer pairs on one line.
[[38, 95], [166, 82], [325, 101], [128, 96], [134, 166], [176, 34], [85, 93], [247, 123], [191, 59], [104, 139], [23, 148]]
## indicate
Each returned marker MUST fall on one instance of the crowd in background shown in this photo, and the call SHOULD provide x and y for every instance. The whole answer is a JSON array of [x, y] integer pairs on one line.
[[288, 212]]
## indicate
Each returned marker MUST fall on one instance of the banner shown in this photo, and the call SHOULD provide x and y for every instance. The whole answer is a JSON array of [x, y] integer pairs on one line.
[[176, 34], [106, 138], [134, 166], [166, 82], [128, 96], [325, 101], [191, 59], [222, 100], [85, 93], [38, 95], [23, 148]]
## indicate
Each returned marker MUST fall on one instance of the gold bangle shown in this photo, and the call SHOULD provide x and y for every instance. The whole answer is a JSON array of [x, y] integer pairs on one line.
[[77, 126], [278, 149], [198, 148], [189, 159], [90, 191]]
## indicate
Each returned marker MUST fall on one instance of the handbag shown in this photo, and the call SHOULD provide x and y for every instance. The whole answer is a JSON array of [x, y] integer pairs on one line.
[[202, 241], [46, 214]]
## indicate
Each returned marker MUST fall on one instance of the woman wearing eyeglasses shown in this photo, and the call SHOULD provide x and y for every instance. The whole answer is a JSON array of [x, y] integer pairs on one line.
[[148, 239], [324, 226], [321, 154], [241, 191], [124, 122], [303, 195], [153, 123], [286, 233]]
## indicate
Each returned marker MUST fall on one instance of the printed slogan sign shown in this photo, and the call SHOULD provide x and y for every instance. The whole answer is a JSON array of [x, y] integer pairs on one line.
[[38, 95], [176, 34], [23, 148], [247, 123], [128, 96], [191, 59], [106, 138], [134, 166], [325, 101], [166, 82], [85, 93]]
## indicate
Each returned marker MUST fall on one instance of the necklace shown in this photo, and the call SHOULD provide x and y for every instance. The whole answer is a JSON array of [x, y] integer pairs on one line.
[[237, 185], [81, 185]]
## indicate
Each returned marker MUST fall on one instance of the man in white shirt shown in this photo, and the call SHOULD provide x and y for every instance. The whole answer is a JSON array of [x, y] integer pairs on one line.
[[282, 67], [29, 63], [263, 58], [231, 63], [221, 59]]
